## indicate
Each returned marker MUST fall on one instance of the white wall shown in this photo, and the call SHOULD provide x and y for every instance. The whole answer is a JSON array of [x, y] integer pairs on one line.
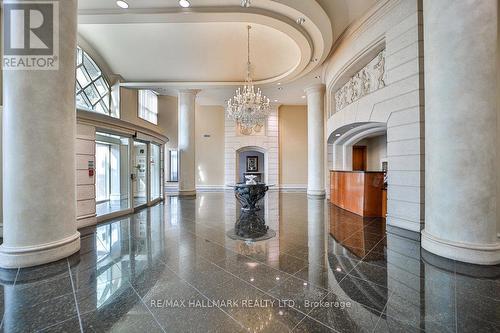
[[269, 142], [399, 105]]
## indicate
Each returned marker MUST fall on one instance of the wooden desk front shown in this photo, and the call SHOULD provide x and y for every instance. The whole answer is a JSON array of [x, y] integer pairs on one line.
[[357, 191]]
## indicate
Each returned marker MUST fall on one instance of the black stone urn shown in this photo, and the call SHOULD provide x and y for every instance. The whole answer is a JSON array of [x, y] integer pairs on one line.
[[250, 194]]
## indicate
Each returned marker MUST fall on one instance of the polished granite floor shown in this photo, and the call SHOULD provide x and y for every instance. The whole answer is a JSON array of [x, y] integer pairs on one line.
[[171, 268]]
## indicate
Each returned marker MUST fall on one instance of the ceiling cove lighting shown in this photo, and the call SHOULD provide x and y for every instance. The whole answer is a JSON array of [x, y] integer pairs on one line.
[[249, 107], [184, 3], [122, 4]]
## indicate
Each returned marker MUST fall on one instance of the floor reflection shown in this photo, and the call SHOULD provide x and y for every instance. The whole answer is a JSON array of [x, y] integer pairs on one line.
[[326, 270], [111, 206]]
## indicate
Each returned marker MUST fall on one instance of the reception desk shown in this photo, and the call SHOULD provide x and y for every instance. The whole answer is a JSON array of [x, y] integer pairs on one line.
[[359, 192]]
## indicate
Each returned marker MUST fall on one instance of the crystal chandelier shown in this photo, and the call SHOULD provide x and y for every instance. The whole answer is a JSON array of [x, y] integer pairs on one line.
[[249, 107]]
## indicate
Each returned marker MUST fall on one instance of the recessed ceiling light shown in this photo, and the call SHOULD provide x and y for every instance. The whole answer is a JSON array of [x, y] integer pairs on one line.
[[279, 83], [337, 135], [122, 4], [304, 96], [184, 3], [275, 100], [301, 20]]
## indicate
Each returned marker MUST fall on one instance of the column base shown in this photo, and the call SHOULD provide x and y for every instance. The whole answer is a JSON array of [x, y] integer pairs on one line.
[[190, 194], [28, 256], [316, 194], [480, 254]]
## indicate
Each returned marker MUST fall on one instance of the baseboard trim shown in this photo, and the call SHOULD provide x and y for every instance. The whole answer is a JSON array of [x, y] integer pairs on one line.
[[480, 254], [174, 190], [29, 256], [210, 188], [293, 188]]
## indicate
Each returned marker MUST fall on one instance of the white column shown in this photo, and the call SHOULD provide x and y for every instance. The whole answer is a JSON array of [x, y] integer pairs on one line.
[[316, 141], [187, 149], [39, 186], [461, 131]]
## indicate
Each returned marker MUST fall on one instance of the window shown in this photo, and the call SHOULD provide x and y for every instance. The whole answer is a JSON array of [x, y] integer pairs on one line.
[[148, 106], [173, 162], [92, 89]]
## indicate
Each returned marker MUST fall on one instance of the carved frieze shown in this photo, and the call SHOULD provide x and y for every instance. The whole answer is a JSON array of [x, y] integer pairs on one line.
[[369, 79]]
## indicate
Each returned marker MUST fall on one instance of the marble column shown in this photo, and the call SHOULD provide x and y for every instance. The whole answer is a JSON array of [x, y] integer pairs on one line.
[[316, 141], [39, 187], [461, 130], [186, 128]]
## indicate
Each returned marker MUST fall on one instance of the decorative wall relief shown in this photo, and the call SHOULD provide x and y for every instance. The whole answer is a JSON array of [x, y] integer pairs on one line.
[[246, 131], [369, 79]]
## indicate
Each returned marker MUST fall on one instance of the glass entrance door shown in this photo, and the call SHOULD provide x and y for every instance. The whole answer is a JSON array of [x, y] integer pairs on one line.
[[155, 171], [112, 173], [140, 174], [102, 172]]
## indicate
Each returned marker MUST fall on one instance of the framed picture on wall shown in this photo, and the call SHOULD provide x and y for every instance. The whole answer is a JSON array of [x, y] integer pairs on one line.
[[252, 163]]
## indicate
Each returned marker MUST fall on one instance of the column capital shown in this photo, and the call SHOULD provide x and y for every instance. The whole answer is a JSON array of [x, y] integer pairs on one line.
[[317, 87], [189, 91]]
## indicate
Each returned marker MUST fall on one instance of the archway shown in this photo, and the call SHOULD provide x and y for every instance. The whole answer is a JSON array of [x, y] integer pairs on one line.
[[261, 161], [341, 142]]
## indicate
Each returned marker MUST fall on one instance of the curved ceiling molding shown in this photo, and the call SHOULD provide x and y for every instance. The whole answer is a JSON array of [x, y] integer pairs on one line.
[[287, 51]]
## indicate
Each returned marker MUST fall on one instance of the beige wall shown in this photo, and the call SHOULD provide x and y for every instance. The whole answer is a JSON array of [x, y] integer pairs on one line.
[[209, 150], [293, 145], [166, 105], [167, 118], [498, 123], [376, 149], [377, 152]]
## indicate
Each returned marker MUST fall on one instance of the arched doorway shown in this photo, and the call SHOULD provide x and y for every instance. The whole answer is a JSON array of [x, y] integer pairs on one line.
[[251, 160], [342, 141]]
